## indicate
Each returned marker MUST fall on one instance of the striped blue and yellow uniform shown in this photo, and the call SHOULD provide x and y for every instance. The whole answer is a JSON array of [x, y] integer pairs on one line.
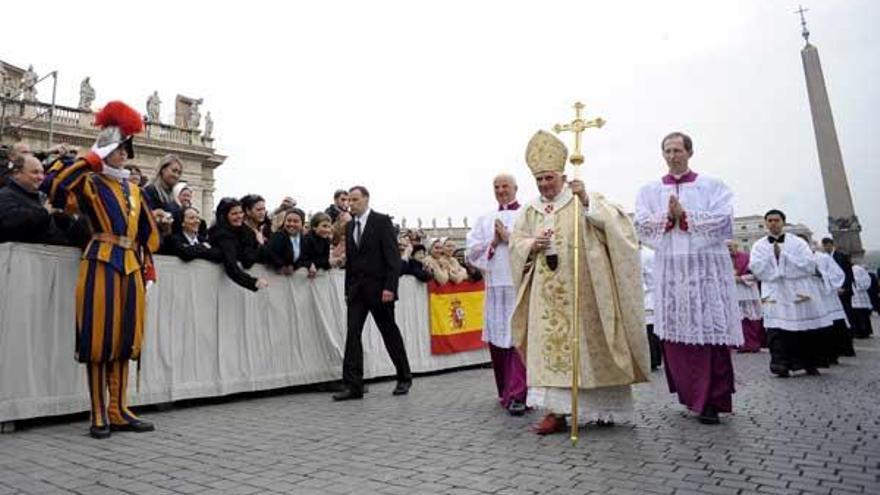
[[110, 290]]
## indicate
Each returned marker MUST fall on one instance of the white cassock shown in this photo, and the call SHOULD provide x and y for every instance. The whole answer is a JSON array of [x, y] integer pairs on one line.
[[694, 296], [861, 284], [647, 256], [791, 300], [495, 265], [749, 297], [831, 278]]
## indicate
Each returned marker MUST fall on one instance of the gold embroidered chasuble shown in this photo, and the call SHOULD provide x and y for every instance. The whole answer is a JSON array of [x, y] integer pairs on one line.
[[613, 343]]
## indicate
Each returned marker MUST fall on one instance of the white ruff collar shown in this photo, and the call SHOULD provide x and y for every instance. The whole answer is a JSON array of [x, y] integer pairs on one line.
[[118, 174]]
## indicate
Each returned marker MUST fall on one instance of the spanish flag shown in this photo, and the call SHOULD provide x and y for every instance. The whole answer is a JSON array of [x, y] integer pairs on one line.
[[456, 316]]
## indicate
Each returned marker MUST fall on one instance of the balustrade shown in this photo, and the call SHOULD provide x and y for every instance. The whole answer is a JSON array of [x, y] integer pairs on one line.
[[19, 112]]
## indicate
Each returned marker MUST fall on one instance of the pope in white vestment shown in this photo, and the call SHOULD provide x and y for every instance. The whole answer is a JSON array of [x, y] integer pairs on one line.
[[612, 343]]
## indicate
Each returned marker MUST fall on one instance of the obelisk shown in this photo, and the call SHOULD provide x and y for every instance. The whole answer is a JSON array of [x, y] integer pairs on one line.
[[843, 224]]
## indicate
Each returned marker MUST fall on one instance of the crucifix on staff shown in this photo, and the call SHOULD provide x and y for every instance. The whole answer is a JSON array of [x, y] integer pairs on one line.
[[577, 127], [578, 317]]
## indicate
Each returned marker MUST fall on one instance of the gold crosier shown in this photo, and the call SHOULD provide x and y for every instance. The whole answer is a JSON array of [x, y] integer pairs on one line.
[[576, 126]]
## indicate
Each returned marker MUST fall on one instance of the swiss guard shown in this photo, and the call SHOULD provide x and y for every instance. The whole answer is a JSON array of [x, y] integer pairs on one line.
[[110, 291]]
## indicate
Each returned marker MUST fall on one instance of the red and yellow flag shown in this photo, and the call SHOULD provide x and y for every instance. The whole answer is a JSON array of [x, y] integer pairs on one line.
[[456, 312]]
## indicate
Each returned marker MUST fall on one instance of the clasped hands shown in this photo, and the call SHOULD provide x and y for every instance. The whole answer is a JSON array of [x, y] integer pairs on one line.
[[501, 234], [675, 211]]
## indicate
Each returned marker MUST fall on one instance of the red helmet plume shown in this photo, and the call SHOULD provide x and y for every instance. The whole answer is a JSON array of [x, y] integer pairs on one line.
[[118, 114]]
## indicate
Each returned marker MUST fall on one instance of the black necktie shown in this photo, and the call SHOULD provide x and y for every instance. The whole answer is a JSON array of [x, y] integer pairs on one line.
[[774, 240], [357, 232]]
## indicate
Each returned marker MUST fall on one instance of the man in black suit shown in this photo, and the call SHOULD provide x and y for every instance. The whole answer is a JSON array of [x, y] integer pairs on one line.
[[843, 261], [372, 269]]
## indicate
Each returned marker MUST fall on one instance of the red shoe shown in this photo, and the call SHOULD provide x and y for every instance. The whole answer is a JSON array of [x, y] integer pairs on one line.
[[550, 424]]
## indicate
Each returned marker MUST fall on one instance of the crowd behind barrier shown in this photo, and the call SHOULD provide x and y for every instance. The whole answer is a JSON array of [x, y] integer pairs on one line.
[[205, 336]]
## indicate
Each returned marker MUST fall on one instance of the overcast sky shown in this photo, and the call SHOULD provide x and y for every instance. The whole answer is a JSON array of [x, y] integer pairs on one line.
[[425, 102]]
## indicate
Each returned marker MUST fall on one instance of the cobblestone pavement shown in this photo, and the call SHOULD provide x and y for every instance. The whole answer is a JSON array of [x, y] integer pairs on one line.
[[797, 435]]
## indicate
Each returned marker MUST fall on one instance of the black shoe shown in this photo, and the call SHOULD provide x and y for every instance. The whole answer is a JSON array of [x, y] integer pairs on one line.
[[709, 416], [779, 370], [604, 423], [516, 408], [332, 387], [813, 372], [99, 432], [137, 426], [348, 394], [402, 388]]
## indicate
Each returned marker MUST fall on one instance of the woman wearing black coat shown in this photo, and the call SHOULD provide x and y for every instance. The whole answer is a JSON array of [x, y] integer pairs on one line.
[[188, 242], [233, 243], [316, 244], [285, 247]]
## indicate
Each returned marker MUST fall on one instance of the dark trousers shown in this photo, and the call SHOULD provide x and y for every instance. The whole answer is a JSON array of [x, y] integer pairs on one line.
[[353, 362], [655, 347], [861, 323], [843, 339], [846, 302], [794, 350]]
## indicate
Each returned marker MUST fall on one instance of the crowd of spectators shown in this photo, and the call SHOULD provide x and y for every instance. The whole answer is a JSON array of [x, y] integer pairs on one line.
[[243, 231]]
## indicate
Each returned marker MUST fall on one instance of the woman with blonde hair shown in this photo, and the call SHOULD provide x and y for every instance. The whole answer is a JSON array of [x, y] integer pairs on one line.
[[160, 191]]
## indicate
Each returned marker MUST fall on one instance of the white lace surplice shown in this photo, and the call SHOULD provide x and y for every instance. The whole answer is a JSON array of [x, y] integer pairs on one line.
[[749, 298], [791, 299], [694, 296], [861, 284], [832, 278], [500, 294]]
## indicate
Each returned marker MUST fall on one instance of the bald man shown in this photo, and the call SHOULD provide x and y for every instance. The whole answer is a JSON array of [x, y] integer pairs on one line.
[[23, 215], [487, 249]]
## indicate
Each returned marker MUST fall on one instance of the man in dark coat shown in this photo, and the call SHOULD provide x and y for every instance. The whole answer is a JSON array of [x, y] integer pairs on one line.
[[23, 217], [340, 205], [372, 268]]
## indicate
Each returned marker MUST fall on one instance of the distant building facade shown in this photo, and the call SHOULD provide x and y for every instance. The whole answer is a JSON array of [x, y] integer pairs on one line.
[[33, 121]]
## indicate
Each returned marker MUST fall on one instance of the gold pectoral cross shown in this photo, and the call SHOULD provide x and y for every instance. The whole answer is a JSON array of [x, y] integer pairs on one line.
[[578, 126]]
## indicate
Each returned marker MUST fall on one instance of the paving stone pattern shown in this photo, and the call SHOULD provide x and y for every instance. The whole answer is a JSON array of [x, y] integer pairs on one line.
[[787, 436]]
